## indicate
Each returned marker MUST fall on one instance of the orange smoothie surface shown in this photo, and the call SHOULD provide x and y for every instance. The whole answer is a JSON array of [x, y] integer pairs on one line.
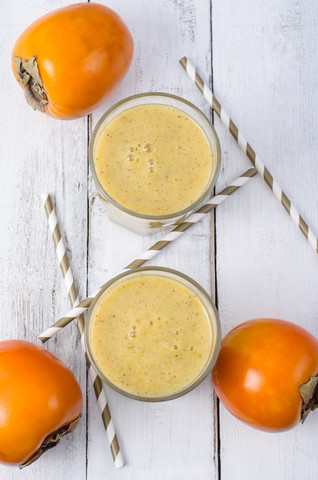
[[151, 336], [154, 160]]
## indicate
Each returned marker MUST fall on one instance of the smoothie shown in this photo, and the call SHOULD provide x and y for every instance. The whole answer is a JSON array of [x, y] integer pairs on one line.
[[154, 160], [151, 336]]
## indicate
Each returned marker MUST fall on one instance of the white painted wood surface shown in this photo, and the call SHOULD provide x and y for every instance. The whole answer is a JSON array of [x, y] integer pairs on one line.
[[265, 63], [264, 72]]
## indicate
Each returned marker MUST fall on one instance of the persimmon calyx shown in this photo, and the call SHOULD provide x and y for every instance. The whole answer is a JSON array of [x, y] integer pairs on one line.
[[31, 82], [51, 441], [309, 393]]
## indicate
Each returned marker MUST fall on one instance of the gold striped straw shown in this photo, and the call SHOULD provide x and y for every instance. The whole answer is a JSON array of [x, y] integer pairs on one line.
[[71, 290], [250, 153], [156, 248]]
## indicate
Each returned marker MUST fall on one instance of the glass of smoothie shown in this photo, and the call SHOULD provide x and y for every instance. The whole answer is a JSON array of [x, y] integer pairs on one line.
[[154, 158], [152, 334]]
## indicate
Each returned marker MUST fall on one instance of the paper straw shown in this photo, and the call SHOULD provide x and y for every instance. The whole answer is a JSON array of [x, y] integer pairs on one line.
[[250, 153], [156, 248], [71, 290]]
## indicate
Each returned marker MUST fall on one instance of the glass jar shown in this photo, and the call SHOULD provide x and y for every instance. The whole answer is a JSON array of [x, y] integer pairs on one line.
[[129, 343], [140, 222]]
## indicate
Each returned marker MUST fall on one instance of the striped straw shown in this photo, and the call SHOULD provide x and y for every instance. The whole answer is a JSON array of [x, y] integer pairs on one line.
[[250, 153], [155, 249], [71, 290]]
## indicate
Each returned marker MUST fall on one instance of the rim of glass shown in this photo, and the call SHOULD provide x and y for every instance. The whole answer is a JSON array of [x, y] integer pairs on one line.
[[213, 317], [206, 192]]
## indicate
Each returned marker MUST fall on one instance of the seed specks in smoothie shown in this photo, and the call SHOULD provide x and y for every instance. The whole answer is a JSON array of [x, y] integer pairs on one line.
[[151, 336], [168, 155]]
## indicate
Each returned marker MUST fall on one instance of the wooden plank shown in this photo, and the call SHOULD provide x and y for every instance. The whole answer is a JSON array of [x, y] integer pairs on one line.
[[172, 440], [39, 154], [264, 65], [264, 73]]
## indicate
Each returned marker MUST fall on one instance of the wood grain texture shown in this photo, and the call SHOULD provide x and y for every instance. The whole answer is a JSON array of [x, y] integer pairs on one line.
[[40, 154], [265, 75], [172, 440], [264, 62]]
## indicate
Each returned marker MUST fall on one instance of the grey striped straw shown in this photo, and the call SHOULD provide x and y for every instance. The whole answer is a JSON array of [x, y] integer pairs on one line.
[[156, 248], [250, 153], [71, 290]]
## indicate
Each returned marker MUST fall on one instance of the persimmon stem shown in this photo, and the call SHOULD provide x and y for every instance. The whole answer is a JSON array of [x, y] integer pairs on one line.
[[52, 440], [309, 394], [31, 82]]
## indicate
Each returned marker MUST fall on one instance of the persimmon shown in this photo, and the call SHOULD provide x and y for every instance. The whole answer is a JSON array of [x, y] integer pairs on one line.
[[40, 401], [70, 60], [266, 374]]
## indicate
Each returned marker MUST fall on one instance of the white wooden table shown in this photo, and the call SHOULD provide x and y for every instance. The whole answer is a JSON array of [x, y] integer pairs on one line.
[[264, 60]]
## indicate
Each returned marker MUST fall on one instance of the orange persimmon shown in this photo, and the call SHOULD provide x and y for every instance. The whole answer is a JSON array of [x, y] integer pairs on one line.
[[70, 60], [40, 401], [266, 373]]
